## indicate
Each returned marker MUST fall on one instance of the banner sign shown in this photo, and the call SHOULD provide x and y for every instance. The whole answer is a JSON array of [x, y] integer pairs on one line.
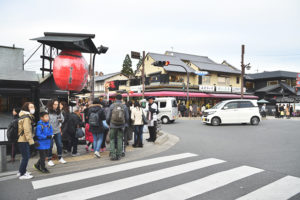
[[223, 89], [207, 88], [201, 73]]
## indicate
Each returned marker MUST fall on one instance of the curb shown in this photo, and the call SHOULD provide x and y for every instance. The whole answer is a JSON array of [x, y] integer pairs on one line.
[[163, 137]]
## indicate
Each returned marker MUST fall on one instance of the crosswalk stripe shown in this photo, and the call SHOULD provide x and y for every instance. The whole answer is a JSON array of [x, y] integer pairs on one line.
[[114, 186], [106, 170], [281, 189], [203, 185]]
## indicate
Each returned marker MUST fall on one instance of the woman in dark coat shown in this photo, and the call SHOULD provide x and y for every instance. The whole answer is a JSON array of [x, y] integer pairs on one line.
[[66, 113], [75, 121]]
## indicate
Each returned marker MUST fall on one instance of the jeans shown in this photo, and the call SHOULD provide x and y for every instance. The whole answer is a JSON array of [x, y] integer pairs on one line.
[[138, 134], [116, 148], [41, 161], [58, 142], [72, 144], [98, 138], [25, 151]]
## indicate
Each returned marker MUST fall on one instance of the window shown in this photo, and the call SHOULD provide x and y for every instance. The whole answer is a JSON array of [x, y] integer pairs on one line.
[[223, 80], [249, 85], [246, 104], [237, 80], [206, 80], [272, 83], [174, 104], [231, 105], [163, 104], [122, 82]]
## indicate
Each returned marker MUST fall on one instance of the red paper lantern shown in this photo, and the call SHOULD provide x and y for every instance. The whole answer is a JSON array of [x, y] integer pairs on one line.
[[70, 70]]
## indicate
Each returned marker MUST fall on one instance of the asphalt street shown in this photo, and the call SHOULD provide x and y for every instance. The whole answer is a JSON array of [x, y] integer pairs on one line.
[[224, 163]]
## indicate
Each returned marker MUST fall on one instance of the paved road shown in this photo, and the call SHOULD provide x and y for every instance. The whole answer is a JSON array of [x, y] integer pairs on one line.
[[225, 162]]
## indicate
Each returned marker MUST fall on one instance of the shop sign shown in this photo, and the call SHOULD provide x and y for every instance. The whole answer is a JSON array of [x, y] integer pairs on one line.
[[137, 88], [223, 89], [237, 89], [207, 88]]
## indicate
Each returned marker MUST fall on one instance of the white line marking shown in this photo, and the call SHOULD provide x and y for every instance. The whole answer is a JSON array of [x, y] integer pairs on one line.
[[114, 186], [106, 170], [281, 189], [203, 185]]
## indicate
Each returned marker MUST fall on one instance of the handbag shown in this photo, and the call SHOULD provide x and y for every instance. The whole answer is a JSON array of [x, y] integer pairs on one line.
[[145, 121], [107, 139], [79, 133]]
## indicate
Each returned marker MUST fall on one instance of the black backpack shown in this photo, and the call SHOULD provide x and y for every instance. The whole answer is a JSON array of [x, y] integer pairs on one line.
[[13, 128], [94, 120]]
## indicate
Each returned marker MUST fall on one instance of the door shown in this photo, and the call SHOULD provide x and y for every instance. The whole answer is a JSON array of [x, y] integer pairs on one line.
[[246, 111], [229, 113]]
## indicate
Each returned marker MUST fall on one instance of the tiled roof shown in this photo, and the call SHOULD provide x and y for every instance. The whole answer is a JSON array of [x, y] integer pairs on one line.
[[106, 76], [273, 74], [173, 60], [189, 57], [216, 67]]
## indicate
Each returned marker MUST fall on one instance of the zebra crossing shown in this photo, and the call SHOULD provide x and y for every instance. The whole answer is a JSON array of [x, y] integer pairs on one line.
[[283, 188]]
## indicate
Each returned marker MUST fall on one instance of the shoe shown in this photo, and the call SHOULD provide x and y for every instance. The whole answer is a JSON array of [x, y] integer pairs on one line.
[[134, 145], [97, 154], [113, 158], [76, 154], [19, 174], [45, 171], [140, 145], [37, 167], [50, 163], [62, 161], [87, 148], [104, 149], [101, 150], [123, 154], [26, 176], [65, 151], [92, 150]]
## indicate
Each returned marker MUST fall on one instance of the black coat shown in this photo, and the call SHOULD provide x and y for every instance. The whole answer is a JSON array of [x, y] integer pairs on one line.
[[74, 122], [97, 109]]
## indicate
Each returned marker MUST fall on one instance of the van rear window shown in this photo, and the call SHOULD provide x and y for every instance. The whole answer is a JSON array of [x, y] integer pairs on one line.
[[174, 104]]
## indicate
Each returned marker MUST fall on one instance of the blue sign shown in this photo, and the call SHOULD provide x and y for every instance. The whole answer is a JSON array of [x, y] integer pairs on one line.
[[201, 73]]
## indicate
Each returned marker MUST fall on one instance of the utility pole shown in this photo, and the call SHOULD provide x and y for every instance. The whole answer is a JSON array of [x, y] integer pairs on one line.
[[143, 75], [243, 72]]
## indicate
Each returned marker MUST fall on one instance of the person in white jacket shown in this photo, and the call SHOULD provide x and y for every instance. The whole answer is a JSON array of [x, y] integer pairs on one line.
[[138, 117], [152, 111]]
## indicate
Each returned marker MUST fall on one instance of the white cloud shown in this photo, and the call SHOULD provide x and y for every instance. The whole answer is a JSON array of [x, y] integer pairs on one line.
[[269, 29]]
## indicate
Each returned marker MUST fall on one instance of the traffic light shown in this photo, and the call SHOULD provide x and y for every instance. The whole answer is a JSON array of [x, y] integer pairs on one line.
[[161, 63]]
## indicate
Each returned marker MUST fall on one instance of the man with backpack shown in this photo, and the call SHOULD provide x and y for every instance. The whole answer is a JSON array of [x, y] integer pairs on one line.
[[117, 117]]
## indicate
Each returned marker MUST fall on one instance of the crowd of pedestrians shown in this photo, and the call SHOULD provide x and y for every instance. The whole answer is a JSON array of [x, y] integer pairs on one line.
[[103, 122]]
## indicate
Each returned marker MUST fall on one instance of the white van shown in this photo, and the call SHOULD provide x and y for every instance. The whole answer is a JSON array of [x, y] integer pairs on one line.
[[167, 107], [233, 111]]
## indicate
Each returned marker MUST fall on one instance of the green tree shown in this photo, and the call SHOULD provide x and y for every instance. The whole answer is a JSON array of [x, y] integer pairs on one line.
[[127, 66]]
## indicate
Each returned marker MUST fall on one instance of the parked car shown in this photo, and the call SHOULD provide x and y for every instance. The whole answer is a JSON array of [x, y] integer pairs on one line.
[[233, 112], [167, 107]]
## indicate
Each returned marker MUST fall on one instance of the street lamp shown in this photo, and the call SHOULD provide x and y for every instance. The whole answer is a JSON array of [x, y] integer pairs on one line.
[[166, 63], [101, 50]]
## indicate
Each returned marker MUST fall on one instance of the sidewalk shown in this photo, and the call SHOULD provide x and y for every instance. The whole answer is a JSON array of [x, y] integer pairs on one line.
[[87, 160]]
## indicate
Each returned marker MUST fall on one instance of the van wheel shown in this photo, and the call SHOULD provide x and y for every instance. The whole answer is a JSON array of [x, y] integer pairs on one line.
[[254, 120], [165, 120], [215, 121]]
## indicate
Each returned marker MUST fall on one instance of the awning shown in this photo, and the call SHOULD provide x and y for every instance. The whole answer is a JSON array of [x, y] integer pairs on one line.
[[232, 96], [183, 94]]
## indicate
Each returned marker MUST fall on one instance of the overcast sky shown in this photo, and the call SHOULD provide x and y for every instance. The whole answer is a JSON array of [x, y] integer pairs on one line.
[[270, 29]]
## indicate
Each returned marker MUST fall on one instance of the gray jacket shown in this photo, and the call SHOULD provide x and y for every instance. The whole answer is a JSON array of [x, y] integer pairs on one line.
[[109, 113], [54, 122]]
